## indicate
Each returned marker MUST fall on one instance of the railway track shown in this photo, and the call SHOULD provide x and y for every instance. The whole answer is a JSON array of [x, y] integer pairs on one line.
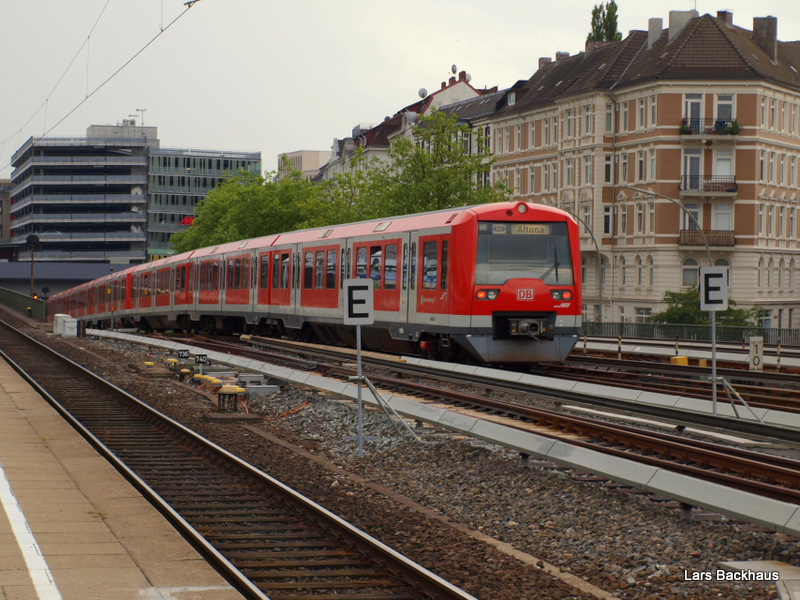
[[266, 539], [770, 476]]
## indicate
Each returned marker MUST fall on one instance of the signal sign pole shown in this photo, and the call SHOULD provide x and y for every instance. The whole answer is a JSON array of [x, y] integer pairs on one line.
[[713, 297], [358, 311]]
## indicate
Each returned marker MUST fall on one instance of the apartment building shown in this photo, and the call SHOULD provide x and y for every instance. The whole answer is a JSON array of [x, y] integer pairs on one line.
[[670, 145]]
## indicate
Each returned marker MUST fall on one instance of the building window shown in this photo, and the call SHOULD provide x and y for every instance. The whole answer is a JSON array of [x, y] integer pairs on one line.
[[763, 112], [570, 124], [587, 170], [640, 218], [607, 220], [722, 217], [640, 165], [641, 115], [546, 132], [639, 271], [652, 160], [623, 126], [623, 176], [609, 118], [690, 272], [569, 172], [518, 147], [622, 271], [691, 216], [608, 168], [588, 119], [623, 220], [651, 217], [546, 178], [650, 271], [532, 182], [724, 107], [643, 314], [653, 111]]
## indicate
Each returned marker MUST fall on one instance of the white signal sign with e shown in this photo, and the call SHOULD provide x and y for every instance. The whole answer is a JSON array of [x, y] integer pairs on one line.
[[358, 302], [713, 288]]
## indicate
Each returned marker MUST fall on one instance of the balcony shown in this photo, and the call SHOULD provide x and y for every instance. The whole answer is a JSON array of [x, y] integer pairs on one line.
[[711, 185], [715, 127], [693, 237]]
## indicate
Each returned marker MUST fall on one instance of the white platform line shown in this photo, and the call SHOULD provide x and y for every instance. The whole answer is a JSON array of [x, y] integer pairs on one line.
[[46, 588]]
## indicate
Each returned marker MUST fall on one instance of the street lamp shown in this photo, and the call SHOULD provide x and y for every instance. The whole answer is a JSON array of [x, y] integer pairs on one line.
[[32, 241], [599, 260], [713, 314]]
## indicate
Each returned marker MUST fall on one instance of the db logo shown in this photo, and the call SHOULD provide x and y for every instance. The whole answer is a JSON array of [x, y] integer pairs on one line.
[[524, 294]]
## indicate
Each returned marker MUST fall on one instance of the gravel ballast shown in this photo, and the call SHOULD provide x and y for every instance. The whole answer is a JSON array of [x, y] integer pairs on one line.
[[434, 500]]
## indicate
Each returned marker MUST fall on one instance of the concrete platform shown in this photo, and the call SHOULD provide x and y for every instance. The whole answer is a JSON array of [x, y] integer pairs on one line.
[[71, 528]]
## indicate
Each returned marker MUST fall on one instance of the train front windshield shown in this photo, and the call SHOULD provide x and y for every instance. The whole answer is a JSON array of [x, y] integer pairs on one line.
[[523, 250]]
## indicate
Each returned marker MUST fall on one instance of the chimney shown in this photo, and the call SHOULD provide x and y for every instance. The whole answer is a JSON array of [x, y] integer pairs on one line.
[[545, 60], [594, 45], [678, 19], [725, 16], [765, 33], [462, 75], [452, 81], [560, 55], [654, 27]]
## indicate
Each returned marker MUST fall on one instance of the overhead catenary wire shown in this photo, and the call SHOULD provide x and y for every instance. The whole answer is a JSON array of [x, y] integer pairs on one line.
[[163, 29]]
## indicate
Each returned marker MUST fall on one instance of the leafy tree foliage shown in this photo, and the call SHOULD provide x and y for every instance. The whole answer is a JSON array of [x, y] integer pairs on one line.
[[604, 23], [430, 172], [247, 206], [684, 308]]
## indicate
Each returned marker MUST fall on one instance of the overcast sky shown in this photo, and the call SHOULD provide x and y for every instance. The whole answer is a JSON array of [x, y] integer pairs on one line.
[[269, 76]]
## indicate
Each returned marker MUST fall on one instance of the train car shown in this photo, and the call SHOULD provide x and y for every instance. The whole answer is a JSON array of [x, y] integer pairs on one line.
[[498, 283]]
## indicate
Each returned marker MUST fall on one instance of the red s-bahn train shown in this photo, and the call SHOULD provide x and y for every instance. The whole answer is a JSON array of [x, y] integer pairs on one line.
[[497, 282]]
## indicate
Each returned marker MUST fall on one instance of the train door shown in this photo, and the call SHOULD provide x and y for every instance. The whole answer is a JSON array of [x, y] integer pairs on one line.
[[263, 285], [432, 279], [282, 278]]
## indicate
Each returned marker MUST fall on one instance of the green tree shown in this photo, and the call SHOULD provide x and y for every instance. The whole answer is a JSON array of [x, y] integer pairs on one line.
[[247, 206], [684, 308], [604, 23], [431, 171]]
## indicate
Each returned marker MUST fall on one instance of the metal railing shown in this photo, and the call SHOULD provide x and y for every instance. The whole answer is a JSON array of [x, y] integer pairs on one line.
[[661, 331], [690, 126], [721, 184], [693, 237]]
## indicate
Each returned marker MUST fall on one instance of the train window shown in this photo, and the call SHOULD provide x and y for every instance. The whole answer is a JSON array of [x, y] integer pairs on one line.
[[346, 268], [361, 263], [330, 270], [285, 271], [390, 269], [319, 269], [215, 276], [296, 271], [341, 270], [237, 274], [184, 271], [530, 250], [413, 276], [405, 266], [276, 270], [429, 265], [375, 260], [245, 273], [264, 276], [202, 276], [443, 284], [231, 269], [308, 271]]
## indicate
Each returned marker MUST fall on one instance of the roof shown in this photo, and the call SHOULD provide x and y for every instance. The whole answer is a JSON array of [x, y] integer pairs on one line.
[[706, 49]]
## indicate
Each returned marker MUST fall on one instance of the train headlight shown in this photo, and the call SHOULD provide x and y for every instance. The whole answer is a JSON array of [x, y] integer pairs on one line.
[[487, 294], [561, 295]]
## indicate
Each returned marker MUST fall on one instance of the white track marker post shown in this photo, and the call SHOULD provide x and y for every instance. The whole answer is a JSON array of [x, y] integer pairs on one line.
[[359, 309], [713, 297]]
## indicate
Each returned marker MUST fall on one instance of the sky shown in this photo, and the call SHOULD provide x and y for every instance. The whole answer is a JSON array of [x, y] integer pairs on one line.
[[276, 76]]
